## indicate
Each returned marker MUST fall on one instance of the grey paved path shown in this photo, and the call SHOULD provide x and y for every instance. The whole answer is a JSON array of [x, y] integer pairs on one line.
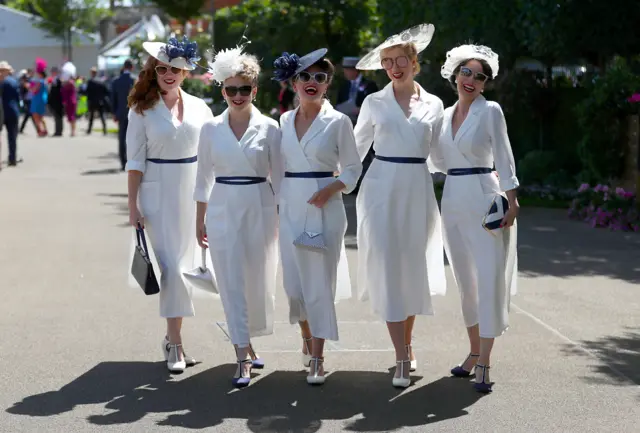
[[80, 350]]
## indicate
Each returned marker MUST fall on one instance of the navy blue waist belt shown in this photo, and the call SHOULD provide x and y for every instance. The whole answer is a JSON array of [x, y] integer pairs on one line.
[[308, 174], [402, 159], [468, 171], [240, 180], [173, 161]]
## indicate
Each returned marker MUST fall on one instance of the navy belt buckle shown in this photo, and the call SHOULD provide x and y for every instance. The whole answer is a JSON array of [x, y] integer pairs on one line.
[[240, 180], [401, 159], [468, 171], [308, 174]]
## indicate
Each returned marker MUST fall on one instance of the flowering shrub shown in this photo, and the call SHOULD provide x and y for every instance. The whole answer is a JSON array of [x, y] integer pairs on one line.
[[601, 206]]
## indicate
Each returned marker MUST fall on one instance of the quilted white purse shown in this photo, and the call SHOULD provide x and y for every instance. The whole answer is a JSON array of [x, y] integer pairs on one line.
[[312, 239]]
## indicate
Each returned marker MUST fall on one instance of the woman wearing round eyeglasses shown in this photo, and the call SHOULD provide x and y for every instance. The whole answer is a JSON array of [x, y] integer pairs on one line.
[[239, 150], [162, 141], [400, 251], [478, 220], [317, 141]]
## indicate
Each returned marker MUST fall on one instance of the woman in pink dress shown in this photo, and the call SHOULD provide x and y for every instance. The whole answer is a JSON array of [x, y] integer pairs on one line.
[[70, 102]]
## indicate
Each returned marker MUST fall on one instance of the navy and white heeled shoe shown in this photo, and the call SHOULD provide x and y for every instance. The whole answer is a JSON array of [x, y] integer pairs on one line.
[[239, 379], [256, 361], [483, 384], [401, 381], [459, 371], [188, 360]]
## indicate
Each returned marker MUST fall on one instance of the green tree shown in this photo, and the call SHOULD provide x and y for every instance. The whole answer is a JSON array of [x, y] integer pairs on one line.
[[182, 10], [60, 17]]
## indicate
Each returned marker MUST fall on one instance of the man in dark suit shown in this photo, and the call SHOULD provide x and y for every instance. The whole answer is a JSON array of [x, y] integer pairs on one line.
[[354, 89], [11, 108], [55, 101], [97, 95], [119, 93]]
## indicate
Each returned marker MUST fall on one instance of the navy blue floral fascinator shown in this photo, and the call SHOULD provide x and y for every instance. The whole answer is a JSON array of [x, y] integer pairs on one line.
[[179, 54], [288, 65]]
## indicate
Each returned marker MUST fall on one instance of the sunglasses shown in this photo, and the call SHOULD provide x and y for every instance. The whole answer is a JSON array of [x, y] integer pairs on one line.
[[161, 70], [318, 77], [401, 61], [478, 76], [233, 90]]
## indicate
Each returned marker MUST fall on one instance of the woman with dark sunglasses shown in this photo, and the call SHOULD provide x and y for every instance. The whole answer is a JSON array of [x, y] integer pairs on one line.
[[400, 250], [239, 175], [162, 140], [478, 208], [317, 141]]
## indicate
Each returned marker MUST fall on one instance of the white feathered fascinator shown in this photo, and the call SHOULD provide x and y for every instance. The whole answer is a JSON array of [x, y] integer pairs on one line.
[[467, 52], [226, 63]]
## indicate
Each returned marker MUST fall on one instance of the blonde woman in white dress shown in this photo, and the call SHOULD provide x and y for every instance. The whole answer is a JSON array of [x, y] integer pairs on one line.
[[239, 175], [483, 258], [317, 141], [400, 250], [162, 142]]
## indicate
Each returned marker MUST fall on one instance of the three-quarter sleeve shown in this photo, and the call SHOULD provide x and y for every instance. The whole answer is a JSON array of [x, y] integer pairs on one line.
[[136, 142], [501, 147], [276, 164], [436, 161], [348, 159], [205, 174], [364, 130]]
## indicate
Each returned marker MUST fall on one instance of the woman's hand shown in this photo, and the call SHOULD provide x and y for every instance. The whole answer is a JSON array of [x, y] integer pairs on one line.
[[135, 217], [510, 216], [201, 234], [320, 198]]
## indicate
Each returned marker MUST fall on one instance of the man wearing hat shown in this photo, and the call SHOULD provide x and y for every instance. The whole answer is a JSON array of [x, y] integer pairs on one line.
[[10, 92], [120, 89], [353, 91]]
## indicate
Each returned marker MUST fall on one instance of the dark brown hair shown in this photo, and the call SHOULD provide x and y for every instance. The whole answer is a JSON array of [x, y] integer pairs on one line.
[[486, 69]]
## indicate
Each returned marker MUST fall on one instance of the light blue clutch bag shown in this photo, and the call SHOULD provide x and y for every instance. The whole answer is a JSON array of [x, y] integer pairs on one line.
[[311, 241]]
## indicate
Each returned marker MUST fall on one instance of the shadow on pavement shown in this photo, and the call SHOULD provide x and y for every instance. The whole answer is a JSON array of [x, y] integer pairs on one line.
[[102, 171], [275, 402], [619, 358]]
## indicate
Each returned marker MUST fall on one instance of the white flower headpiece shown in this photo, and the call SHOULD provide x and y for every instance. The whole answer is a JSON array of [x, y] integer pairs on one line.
[[227, 63], [467, 52]]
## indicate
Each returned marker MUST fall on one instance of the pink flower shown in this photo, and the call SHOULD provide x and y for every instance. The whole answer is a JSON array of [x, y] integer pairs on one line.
[[584, 187], [620, 191], [634, 98]]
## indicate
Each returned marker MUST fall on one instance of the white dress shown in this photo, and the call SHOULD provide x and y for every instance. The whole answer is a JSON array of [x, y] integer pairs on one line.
[[314, 281], [400, 247], [242, 219], [484, 264], [164, 150]]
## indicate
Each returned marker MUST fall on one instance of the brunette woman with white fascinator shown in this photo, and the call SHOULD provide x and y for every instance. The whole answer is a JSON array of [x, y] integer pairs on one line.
[[162, 141], [479, 209], [317, 141], [237, 218], [400, 251]]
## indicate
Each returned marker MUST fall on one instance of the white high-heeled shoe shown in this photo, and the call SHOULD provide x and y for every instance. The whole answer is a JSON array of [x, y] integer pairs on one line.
[[314, 378], [188, 360], [306, 357], [401, 381], [174, 363], [414, 362]]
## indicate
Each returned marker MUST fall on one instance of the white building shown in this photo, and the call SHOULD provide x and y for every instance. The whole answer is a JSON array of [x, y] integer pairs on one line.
[[21, 41], [116, 51]]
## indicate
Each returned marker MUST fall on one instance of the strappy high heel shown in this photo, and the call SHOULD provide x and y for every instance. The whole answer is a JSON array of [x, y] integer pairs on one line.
[[188, 360], [174, 364], [256, 361], [240, 381], [458, 371], [483, 383], [306, 357], [414, 362], [401, 381], [313, 378]]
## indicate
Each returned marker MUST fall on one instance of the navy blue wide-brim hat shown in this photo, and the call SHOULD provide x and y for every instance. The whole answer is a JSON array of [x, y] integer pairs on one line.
[[288, 65]]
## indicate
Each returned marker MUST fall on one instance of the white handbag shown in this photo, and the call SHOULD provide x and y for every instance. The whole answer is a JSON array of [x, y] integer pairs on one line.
[[201, 277]]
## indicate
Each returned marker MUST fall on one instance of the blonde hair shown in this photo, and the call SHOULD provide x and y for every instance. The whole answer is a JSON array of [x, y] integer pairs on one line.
[[410, 51], [250, 68]]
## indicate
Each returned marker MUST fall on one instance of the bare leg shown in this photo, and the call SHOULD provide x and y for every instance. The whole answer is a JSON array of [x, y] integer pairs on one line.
[[397, 334], [474, 347], [317, 351], [243, 353], [408, 334], [73, 128], [486, 345], [306, 335], [174, 325]]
